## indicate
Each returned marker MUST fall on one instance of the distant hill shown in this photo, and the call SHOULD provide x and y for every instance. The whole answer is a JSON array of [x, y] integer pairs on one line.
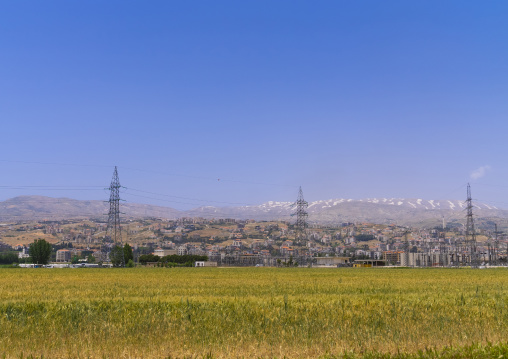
[[40, 208], [415, 212]]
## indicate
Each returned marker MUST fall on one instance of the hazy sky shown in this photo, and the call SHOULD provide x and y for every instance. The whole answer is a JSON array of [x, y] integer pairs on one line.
[[243, 101]]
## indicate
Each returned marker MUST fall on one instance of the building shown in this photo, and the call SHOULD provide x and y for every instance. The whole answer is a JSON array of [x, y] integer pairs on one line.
[[164, 252], [367, 263], [63, 255], [332, 261], [205, 264], [393, 257], [431, 259], [100, 256], [181, 251], [24, 253]]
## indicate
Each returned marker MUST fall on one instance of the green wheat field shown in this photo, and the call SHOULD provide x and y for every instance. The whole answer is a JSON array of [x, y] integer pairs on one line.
[[253, 313]]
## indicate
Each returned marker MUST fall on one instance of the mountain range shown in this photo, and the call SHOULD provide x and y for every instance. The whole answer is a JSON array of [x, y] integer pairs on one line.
[[416, 212]]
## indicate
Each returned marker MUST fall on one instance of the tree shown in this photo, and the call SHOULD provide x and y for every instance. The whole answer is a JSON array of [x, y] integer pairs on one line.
[[90, 259], [75, 260], [290, 263], [117, 256], [186, 259], [120, 256], [144, 258], [9, 258], [364, 237], [40, 251], [127, 253]]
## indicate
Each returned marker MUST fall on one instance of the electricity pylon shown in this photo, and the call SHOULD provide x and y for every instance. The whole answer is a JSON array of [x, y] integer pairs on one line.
[[114, 229], [301, 217], [470, 240]]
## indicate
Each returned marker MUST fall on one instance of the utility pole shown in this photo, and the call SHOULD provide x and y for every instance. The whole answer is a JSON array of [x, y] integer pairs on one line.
[[406, 248], [114, 229], [496, 246], [301, 217], [470, 237]]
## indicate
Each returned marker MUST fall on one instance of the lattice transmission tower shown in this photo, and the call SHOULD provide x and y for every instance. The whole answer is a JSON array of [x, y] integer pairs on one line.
[[496, 246], [406, 249], [114, 229], [301, 217], [471, 251]]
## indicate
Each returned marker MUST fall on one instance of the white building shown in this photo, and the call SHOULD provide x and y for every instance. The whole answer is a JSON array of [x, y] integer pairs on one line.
[[205, 264], [24, 253], [164, 252]]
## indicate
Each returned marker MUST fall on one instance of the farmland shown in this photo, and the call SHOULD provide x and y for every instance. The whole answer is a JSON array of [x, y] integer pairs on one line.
[[248, 312]]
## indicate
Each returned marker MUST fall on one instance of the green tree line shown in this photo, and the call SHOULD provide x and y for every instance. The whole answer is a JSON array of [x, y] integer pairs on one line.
[[186, 260]]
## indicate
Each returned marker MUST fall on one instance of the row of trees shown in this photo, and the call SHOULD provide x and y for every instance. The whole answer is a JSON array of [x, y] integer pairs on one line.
[[40, 253], [9, 258], [186, 260]]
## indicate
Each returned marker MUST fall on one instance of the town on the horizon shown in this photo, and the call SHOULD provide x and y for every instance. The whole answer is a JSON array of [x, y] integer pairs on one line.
[[249, 242], [231, 242]]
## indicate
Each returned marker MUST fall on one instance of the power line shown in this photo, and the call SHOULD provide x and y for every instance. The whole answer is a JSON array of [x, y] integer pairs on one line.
[[491, 185], [489, 201], [206, 178], [60, 189], [162, 200], [50, 187], [188, 198], [55, 163]]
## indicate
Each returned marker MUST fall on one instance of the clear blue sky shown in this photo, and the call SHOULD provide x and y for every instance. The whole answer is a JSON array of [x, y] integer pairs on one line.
[[350, 99]]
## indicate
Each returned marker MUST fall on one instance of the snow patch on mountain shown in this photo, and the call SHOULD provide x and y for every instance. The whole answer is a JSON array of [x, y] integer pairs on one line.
[[316, 206]]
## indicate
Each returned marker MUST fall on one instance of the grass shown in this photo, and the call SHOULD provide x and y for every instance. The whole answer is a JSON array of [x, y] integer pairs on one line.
[[253, 312]]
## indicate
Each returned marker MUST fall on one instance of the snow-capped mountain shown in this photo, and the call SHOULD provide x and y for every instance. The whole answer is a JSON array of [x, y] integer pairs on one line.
[[332, 211], [376, 210]]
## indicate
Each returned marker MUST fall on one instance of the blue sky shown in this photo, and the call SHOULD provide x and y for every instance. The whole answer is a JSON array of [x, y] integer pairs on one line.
[[243, 101]]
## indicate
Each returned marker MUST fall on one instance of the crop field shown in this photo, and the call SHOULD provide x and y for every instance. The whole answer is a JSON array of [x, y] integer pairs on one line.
[[253, 312]]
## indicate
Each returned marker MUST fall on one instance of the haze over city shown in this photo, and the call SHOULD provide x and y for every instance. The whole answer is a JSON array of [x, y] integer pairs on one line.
[[231, 103]]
